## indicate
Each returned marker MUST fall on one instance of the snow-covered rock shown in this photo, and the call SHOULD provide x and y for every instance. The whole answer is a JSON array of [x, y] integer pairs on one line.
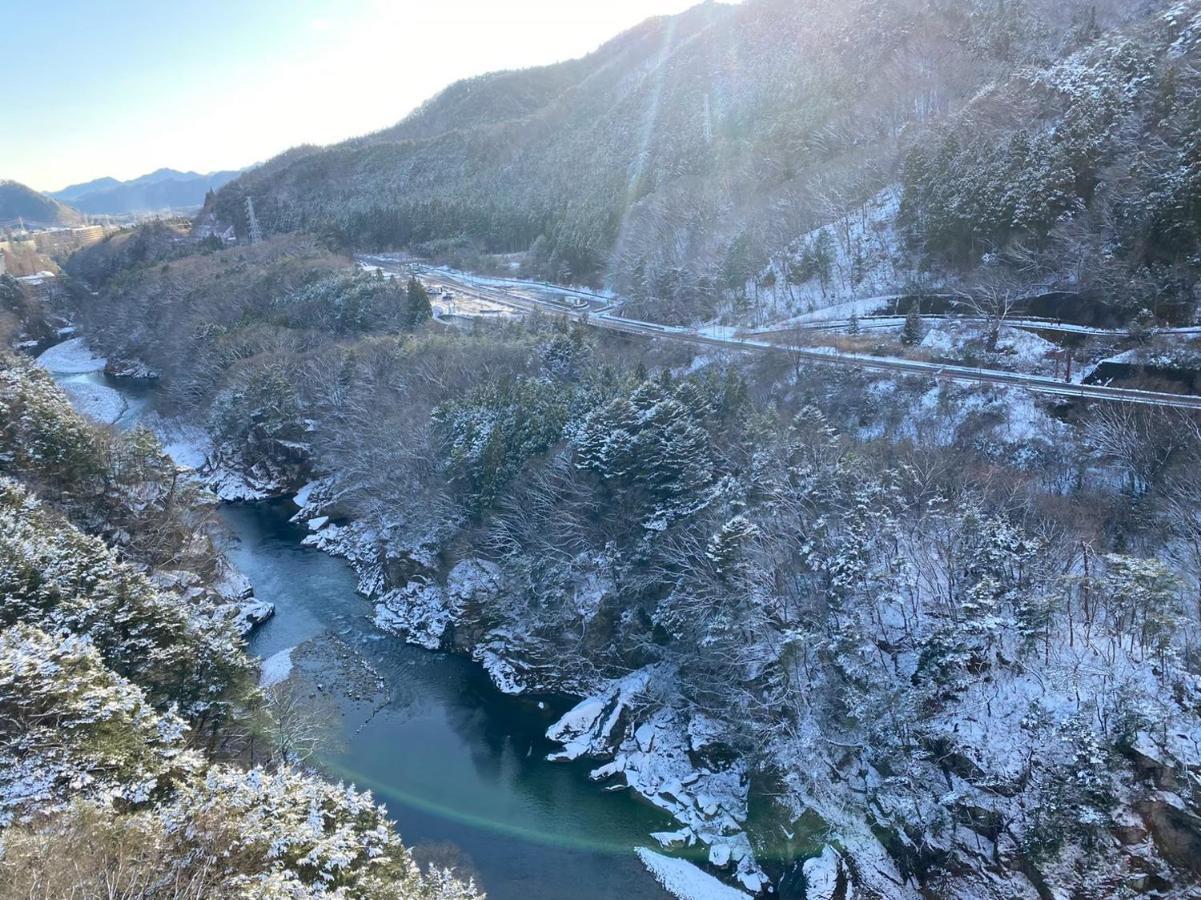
[[233, 486], [305, 494], [471, 584], [652, 756], [417, 612], [232, 584], [249, 614], [128, 368], [822, 874], [682, 879], [503, 673], [587, 729]]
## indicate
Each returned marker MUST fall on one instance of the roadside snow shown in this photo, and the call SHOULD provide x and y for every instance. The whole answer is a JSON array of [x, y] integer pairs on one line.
[[1016, 349], [684, 880], [867, 306]]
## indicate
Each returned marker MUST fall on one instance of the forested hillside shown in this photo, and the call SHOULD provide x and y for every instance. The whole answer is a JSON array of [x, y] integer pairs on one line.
[[17, 203], [137, 758], [685, 161], [888, 636]]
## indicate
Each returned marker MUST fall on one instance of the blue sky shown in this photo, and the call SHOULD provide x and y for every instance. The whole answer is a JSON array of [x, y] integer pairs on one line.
[[116, 87]]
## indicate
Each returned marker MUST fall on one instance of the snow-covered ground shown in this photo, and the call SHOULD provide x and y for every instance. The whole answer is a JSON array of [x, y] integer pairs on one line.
[[682, 879], [72, 357], [79, 373], [864, 261], [276, 668], [1016, 349], [98, 402]]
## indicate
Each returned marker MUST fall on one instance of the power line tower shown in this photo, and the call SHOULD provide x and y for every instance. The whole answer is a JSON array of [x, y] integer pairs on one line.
[[252, 223]]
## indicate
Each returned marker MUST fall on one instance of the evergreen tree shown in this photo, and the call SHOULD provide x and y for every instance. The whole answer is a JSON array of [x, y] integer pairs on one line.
[[418, 307], [728, 549], [911, 333]]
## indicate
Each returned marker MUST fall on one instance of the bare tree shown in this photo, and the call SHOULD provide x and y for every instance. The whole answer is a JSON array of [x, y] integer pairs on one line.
[[295, 726], [993, 298]]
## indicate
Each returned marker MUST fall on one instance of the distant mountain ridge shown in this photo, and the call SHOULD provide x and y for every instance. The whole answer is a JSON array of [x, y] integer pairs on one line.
[[21, 203], [161, 189]]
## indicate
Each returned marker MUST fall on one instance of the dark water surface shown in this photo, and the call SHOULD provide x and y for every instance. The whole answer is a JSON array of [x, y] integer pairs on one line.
[[460, 766]]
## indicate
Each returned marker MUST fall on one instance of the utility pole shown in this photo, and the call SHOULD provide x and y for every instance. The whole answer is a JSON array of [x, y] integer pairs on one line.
[[1066, 355], [252, 223]]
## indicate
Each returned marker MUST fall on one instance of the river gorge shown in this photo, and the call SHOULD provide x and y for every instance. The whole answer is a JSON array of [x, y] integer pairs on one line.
[[460, 766]]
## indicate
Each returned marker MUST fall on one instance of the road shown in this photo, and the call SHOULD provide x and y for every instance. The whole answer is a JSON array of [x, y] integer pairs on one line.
[[601, 312], [866, 323]]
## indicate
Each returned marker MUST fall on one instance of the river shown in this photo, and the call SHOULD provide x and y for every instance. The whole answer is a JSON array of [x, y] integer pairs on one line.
[[460, 766]]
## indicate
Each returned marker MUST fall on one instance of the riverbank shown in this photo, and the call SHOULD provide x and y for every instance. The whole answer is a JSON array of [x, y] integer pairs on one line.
[[462, 767]]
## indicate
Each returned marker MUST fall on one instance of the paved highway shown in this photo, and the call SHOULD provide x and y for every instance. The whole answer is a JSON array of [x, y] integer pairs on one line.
[[599, 311]]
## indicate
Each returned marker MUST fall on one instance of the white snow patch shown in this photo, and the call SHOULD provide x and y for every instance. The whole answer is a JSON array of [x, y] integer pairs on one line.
[[866, 306], [503, 674], [1016, 348], [652, 757], [866, 261], [276, 668], [682, 879], [98, 402], [472, 584], [302, 496], [72, 357], [188, 445], [821, 875]]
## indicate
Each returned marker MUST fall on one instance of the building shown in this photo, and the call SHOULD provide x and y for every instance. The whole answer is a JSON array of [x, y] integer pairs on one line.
[[63, 240]]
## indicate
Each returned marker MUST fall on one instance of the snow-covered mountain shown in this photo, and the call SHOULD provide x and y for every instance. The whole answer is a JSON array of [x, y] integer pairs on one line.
[[686, 157]]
